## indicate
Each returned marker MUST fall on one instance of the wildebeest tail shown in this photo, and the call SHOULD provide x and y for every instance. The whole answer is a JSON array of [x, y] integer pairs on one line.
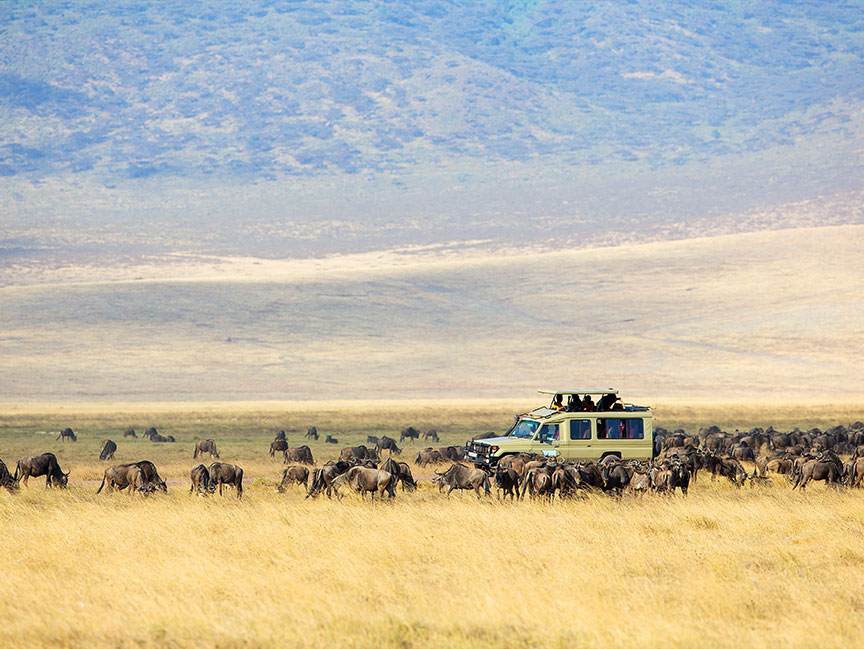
[[486, 484], [526, 480], [316, 482], [101, 485], [17, 469]]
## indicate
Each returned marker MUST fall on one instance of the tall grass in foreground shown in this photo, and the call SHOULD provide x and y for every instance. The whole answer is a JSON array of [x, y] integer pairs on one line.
[[720, 568]]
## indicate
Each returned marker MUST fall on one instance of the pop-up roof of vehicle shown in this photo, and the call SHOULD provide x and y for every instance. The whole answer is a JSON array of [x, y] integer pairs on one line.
[[608, 391]]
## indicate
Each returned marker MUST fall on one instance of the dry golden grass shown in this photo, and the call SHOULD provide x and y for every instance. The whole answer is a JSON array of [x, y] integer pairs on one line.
[[761, 567], [721, 568]]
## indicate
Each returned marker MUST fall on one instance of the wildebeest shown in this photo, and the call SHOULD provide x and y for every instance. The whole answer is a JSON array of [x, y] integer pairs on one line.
[[538, 482], [294, 475], [462, 477], [431, 434], [488, 435], [323, 478], [130, 432], [409, 433], [507, 481], [67, 433], [7, 479], [855, 472], [430, 456], [640, 482], [108, 450], [400, 471], [389, 444], [122, 476], [301, 454], [280, 436], [363, 480], [455, 453], [311, 433], [151, 475], [817, 470], [278, 445], [228, 474], [616, 477], [154, 436], [371, 439], [358, 453], [38, 465], [205, 446], [200, 479], [331, 440]]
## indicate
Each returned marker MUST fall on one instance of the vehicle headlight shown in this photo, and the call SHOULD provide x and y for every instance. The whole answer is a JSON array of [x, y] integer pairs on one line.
[[493, 449]]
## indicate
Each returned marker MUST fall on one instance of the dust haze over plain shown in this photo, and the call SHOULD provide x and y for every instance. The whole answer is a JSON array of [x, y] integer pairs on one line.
[[424, 159]]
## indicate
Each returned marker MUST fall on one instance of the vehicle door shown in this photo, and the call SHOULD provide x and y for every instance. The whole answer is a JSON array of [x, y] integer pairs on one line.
[[577, 441], [548, 438]]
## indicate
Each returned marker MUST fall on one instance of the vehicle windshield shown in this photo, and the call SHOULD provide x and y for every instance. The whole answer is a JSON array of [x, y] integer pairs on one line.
[[525, 429]]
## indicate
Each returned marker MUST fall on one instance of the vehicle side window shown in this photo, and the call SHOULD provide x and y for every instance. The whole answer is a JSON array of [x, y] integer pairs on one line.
[[620, 429], [549, 433], [580, 429], [635, 429]]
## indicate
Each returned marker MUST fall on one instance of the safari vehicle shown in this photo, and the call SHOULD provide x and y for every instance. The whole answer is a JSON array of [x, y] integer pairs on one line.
[[625, 430]]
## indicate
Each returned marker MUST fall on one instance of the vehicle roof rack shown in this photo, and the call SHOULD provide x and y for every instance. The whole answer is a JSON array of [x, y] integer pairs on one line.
[[607, 391]]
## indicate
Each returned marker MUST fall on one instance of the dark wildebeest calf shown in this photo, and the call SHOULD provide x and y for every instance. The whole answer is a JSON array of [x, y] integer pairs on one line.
[[229, 474], [45, 464], [108, 450], [200, 480], [331, 440], [323, 478], [312, 433], [130, 432], [431, 434], [205, 446]]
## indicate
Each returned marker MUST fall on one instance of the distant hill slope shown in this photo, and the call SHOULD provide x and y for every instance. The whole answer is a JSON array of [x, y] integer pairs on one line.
[[764, 315], [281, 128]]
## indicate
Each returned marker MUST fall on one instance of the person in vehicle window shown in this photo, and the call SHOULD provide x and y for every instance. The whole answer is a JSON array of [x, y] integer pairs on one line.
[[558, 402], [574, 403], [607, 401], [588, 403]]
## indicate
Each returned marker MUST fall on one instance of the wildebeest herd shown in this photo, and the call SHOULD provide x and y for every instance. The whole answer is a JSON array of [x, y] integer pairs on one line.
[[802, 457]]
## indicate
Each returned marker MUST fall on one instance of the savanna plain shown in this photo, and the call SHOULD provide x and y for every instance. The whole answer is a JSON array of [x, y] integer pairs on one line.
[[722, 567]]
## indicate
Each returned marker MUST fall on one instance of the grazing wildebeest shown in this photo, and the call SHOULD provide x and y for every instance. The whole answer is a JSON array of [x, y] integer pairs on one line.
[[108, 450], [488, 435], [200, 480], [294, 475], [431, 434], [151, 476], [400, 471], [301, 454], [6, 479], [358, 453], [38, 465], [67, 433], [205, 446], [363, 480], [323, 478], [371, 439], [731, 469], [331, 440], [507, 481], [389, 444], [311, 433], [125, 475], [430, 456], [817, 470], [130, 432], [280, 436], [228, 474], [462, 477], [410, 433]]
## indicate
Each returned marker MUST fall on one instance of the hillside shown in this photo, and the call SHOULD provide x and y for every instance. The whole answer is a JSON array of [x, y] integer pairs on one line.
[[766, 315], [280, 128]]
